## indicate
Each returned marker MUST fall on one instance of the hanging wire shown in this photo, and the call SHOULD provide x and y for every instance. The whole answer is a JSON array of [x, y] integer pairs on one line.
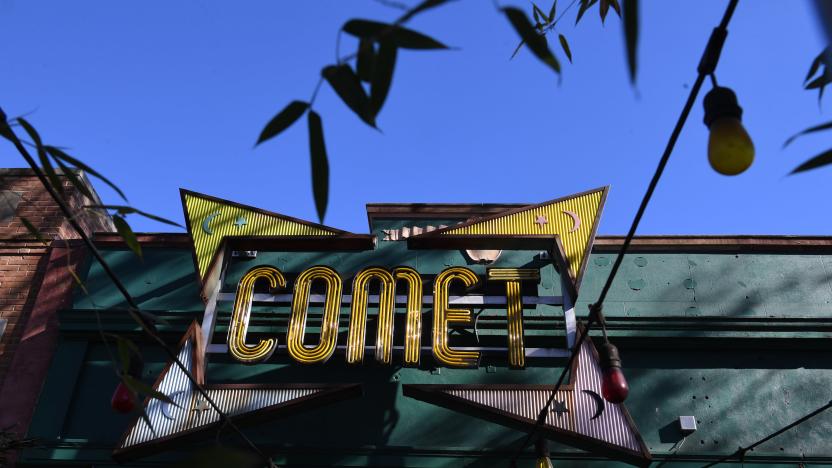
[[707, 66], [740, 452], [133, 309]]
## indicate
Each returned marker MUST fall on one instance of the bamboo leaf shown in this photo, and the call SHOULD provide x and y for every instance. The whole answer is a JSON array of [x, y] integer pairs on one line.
[[58, 153], [539, 16], [137, 386], [531, 38], [33, 230], [553, 10], [615, 6], [125, 210], [48, 169], [364, 62], [5, 130], [818, 161], [631, 36], [348, 87], [585, 4], [283, 120], [821, 58], [403, 38], [816, 128], [320, 164], [74, 180], [128, 235], [385, 64], [565, 46], [603, 9]]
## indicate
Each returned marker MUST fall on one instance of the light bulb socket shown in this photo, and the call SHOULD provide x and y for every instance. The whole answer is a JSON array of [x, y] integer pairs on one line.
[[609, 356], [542, 447], [721, 102]]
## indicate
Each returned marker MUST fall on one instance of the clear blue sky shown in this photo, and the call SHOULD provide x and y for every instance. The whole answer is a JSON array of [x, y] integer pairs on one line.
[[161, 95]]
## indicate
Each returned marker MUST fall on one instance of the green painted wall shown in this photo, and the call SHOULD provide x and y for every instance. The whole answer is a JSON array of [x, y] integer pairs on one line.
[[738, 340]]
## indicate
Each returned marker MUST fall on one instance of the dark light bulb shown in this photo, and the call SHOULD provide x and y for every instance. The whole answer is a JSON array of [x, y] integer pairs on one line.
[[730, 149], [123, 401], [614, 387]]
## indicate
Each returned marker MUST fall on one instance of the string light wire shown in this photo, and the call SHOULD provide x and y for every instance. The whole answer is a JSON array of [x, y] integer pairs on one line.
[[707, 66]]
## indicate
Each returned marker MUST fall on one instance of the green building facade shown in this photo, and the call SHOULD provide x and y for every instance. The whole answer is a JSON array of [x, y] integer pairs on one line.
[[733, 331]]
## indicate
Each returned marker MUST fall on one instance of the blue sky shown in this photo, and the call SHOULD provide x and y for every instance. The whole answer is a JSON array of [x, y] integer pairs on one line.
[[162, 95]]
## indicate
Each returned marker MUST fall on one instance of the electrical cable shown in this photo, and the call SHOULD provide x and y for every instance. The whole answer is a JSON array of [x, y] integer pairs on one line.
[[133, 310], [741, 451], [706, 67]]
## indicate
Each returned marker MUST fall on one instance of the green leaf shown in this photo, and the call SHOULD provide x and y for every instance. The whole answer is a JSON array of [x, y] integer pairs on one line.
[[128, 235], [403, 38], [553, 10], [320, 164], [366, 57], [5, 130], [48, 169], [615, 6], [123, 355], [539, 16], [585, 4], [58, 153], [814, 163], [603, 9], [531, 38], [385, 63], [823, 57], [631, 36], [125, 210], [565, 46], [283, 120], [33, 230], [74, 180], [817, 128], [348, 87], [137, 386]]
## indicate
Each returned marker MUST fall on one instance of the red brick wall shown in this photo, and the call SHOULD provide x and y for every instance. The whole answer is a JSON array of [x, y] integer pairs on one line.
[[23, 258]]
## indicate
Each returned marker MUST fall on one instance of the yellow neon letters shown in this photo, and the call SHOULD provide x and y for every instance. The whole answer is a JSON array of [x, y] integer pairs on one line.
[[329, 321], [514, 309], [443, 315], [237, 346], [386, 308]]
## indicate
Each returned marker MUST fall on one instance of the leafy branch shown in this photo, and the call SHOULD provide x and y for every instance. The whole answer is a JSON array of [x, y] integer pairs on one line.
[[363, 88], [819, 82]]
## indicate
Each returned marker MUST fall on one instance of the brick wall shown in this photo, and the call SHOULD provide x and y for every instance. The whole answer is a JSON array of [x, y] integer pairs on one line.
[[23, 259]]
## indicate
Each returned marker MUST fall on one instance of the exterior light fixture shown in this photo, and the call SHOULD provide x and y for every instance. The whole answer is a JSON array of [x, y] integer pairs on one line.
[[614, 387], [542, 449], [730, 149], [124, 399]]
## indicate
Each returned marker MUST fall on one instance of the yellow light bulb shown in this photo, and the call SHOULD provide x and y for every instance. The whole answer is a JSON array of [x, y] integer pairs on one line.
[[730, 149], [543, 462]]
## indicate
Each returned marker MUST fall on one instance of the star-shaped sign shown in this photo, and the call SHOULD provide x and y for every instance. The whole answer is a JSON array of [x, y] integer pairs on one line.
[[541, 220], [559, 407], [240, 222]]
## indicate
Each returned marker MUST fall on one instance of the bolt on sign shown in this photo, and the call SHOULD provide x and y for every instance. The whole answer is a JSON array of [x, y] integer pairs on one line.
[[456, 293]]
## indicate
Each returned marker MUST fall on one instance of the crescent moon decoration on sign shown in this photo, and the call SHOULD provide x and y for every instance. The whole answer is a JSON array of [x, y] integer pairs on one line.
[[599, 403], [576, 220], [206, 224], [165, 406]]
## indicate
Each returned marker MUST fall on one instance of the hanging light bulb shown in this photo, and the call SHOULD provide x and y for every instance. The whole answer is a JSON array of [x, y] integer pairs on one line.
[[730, 149], [614, 386], [123, 401], [542, 449]]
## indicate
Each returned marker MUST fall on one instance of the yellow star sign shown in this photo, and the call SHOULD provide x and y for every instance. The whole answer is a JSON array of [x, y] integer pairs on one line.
[[211, 220], [573, 220]]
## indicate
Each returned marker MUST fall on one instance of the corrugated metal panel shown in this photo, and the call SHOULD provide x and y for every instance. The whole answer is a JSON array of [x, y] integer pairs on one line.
[[193, 413], [223, 224], [611, 426], [557, 221]]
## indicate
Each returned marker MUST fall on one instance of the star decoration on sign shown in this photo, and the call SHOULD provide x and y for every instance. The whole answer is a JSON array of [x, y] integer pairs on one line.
[[241, 221], [541, 220], [200, 406], [559, 407]]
